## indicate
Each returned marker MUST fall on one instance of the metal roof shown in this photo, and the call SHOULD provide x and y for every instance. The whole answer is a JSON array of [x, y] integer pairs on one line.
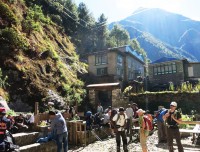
[[103, 85], [164, 59]]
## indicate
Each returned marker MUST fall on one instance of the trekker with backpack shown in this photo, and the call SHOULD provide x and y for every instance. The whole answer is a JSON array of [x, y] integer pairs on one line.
[[119, 127], [7, 142], [144, 129], [172, 127], [162, 135]]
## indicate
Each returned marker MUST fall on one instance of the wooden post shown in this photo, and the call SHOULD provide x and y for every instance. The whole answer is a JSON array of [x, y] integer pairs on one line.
[[36, 108]]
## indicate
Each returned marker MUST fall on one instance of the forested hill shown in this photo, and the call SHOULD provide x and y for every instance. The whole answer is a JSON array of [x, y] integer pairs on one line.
[[37, 58], [162, 33]]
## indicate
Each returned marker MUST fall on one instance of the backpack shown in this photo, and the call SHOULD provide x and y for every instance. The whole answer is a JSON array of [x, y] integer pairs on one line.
[[148, 123], [118, 119]]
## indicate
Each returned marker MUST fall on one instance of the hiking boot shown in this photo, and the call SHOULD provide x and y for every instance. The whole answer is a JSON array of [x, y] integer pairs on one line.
[[125, 148]]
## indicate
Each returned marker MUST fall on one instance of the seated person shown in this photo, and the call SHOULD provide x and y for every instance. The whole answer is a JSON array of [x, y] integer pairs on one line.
[[30, 121], [97, 120], [12, 122], [106, 120], [19, 123]]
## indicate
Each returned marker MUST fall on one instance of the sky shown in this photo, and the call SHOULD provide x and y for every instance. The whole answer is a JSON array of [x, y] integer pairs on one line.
[[116, 10]]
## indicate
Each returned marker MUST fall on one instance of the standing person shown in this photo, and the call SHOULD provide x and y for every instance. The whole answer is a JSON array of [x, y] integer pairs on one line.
[[129, 113], [100, 109], [135, 108], [172, 127], [135, 114], [108, 109], [59, 130], [161, 126], [120, 123], [143, 133]]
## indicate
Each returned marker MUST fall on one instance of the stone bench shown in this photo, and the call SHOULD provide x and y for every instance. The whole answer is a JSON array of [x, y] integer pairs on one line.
[[40, 147], [27, 143], [22, 139]]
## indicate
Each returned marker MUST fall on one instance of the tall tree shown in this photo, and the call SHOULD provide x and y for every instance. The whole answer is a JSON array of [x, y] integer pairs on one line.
[[86, 37], [120, 35], [101, 31]]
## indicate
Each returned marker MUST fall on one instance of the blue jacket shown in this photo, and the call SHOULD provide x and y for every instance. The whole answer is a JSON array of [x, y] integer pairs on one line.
[[58, 124], [160, 116]]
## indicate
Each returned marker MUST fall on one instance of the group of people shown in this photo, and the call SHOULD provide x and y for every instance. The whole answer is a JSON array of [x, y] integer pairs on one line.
[[120, 121], [123, 120]]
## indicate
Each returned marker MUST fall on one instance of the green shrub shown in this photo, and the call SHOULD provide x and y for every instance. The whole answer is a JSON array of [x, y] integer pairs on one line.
[[10, 37], [3, 80], [57, 19], [33, 19], [7, 14]]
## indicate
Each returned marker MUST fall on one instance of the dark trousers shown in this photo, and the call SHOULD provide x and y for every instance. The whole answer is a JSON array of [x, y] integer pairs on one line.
[[171, 134], [161, 131], [128, 123], [124, 140]]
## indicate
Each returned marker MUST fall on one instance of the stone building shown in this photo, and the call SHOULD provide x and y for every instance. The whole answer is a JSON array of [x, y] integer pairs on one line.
[[110, 65], [166, 70], [114, 65]]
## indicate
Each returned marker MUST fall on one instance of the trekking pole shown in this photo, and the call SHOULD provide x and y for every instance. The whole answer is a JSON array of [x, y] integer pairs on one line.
[[96, 135], [105, 132]]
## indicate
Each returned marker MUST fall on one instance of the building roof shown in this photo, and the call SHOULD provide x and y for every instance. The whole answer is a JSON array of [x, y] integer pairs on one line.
[[129, 49], [122, 49], [103, 85], [164, 59]]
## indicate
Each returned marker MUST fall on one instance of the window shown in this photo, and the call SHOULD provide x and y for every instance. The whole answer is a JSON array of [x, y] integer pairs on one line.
[[120, 71], [119, 60], [190, 71], [100, 59], [129, 63], [155, 71], [173, 68], [159, 70], [162, 70], [165, 69], [130, 75], [102, 71], [137, 73]]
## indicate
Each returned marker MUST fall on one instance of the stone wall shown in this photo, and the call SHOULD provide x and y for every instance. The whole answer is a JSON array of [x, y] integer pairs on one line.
[[151, 101], [117, 99]]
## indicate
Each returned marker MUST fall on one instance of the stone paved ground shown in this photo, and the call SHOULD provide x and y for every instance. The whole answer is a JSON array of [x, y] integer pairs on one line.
[[109, 145]]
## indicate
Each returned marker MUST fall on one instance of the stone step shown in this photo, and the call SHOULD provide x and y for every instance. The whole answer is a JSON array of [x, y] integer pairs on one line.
[[40, 147], [23, 139]]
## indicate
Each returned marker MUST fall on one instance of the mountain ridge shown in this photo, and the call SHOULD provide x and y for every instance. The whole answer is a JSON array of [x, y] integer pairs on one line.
[[167, 28]]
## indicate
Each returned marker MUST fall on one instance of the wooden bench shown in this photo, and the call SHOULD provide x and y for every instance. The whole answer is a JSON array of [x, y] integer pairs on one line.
[[194, 131]]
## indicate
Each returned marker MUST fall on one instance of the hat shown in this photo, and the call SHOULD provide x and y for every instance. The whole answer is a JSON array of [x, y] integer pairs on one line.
[[140, 111], [2, 110], [134, 104], [121, 109], [173, 103]]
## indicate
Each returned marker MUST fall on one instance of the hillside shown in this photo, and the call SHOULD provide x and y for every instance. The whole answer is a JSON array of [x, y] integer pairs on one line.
[[175, 32], [36, 56]]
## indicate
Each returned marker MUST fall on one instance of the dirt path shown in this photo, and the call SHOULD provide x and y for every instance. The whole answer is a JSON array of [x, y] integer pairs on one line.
[[109, 145]]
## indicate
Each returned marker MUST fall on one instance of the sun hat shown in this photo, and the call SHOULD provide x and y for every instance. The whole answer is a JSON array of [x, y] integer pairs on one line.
[[140, 111], [173, 103]]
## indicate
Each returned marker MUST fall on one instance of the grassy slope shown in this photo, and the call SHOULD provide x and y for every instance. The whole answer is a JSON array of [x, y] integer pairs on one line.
[[39, 67]]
